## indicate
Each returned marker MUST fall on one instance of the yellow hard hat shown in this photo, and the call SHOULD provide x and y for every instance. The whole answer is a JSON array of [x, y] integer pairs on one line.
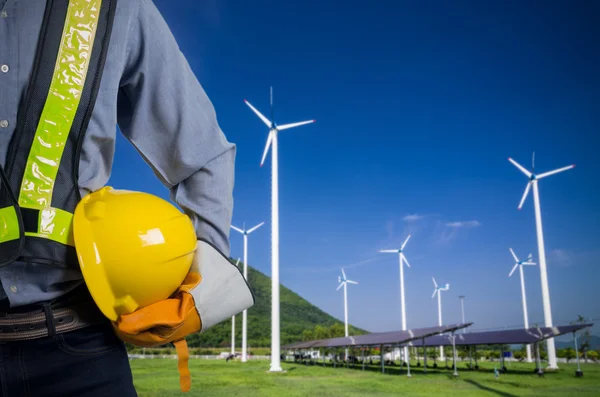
[[134, 249]]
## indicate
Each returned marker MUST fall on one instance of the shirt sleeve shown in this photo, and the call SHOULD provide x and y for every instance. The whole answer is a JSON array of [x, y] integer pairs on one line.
[[166, 115]]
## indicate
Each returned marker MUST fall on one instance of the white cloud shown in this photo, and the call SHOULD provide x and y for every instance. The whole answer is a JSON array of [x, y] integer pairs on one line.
[[459, 224], [448, 231], [413, 217]]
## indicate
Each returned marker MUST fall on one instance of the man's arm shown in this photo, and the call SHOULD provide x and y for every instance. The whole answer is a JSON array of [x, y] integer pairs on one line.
[[165, 113]]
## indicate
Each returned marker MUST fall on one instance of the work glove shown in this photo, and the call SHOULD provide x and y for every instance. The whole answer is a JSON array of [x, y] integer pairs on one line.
[[213, 291]]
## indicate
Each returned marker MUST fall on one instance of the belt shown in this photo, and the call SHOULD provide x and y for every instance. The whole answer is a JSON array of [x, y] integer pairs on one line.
[[48, 321]]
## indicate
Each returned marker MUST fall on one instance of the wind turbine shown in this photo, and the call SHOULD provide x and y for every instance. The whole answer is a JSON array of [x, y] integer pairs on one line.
[[437, 291], [233, 323], [245, 312], [344, 282], [401, 260], [533, 182], [272, 141], [520, 264]]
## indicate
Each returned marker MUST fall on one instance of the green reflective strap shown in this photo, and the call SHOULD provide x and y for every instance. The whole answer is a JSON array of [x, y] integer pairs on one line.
[[9, 224], [55, 224], [61, 104], [57, 116]]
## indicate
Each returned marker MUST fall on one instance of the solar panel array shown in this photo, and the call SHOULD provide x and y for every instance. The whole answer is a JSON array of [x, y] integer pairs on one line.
[[392, 338], [504, 337], [431, 337]]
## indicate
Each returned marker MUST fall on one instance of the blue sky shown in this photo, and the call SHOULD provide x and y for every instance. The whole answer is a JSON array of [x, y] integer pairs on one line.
[[418, 107]]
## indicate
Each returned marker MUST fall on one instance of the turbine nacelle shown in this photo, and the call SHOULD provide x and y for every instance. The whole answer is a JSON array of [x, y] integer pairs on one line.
[[273, 127], [437, 289], [399, 251], [243, 229], [527, 262], [344, 280], [533, 177]]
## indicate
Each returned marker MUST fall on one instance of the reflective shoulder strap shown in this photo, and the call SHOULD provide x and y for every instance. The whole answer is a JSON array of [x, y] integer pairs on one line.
[[43, 156], [55, 122]]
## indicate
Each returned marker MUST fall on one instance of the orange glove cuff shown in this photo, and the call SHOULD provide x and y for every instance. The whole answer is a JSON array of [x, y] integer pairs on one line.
[[162, 322], [167, 321]]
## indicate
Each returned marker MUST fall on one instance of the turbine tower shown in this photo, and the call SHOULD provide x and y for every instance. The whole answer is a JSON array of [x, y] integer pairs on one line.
[[272, 141], [233, 322], [401, 260], [462, 309], [533, 183], [520, 264], [245, 232], [437, 291], [344, 282]]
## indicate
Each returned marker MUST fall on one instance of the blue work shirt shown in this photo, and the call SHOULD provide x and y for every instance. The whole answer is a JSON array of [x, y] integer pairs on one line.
[[149, 90]]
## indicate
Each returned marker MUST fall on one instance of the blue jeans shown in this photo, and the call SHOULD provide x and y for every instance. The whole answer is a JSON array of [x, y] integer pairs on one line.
[[89, 362]]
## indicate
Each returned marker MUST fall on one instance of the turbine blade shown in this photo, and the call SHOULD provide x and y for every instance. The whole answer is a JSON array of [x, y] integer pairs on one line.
[[339, 286], [259, 114], [513, 254], [528, 263], [434, 283], [237, 229], [405, 241], [267, 146], [255, 227], [524, 195], [434, 292], [519, 166], [513, 269], [405, 261], [389, 251], [237, 262], [545, 174], [344, 274], [292, 125], [351, 282]]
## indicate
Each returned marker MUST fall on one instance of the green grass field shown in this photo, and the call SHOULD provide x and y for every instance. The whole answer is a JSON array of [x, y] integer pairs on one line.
[[159, 377]]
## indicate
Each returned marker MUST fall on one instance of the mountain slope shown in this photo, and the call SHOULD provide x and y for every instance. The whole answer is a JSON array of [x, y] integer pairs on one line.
[[593, 340], [296, 316]]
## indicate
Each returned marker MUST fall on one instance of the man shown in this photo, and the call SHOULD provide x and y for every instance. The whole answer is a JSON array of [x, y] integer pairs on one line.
[[80, 68]]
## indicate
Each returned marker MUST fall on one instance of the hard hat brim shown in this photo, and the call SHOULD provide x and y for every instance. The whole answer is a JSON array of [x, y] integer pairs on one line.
[[90, 263]]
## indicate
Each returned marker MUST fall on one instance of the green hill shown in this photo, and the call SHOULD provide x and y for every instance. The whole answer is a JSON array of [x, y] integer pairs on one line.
[[593, 342], [298, 319]]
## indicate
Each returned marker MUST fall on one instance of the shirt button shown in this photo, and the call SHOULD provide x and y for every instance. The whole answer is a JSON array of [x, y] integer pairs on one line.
[[3, 123], [13, 289], [4, 68], [4, 14]]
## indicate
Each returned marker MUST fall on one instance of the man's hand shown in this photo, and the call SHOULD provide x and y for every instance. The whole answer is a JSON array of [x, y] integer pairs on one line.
[[213, 291], [166, 321]]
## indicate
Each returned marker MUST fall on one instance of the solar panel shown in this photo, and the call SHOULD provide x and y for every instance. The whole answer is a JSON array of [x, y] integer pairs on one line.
[[392, 338], [504, 337]]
